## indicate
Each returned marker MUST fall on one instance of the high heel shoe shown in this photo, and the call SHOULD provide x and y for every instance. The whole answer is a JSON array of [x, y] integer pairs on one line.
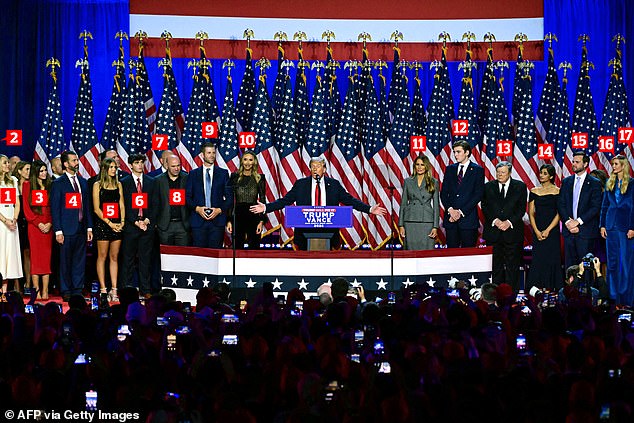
[[112, 296]]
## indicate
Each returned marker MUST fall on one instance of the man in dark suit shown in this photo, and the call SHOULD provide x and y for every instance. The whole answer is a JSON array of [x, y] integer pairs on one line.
[[72, 226], [172, 219], [209, 198], [461, 192], [138, 232], [504, 205], [320, 191], [579, 208]]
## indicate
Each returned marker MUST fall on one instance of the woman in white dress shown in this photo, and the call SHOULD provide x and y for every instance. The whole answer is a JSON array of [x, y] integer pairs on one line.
[[10, 257]]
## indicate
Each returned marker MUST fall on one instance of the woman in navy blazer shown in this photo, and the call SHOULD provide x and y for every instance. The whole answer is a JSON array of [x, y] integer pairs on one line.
[[617, 227]]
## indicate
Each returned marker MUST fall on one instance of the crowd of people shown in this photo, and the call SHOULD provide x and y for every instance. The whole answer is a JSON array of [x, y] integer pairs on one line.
[[126, 213], [423, 354]]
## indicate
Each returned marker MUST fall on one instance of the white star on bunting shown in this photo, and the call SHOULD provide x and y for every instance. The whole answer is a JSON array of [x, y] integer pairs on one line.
[[174, 280], [303, 285], [381, 284]]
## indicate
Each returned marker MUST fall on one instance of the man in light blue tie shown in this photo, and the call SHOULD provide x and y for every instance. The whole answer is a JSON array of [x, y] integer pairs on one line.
[[209, 197], [579, 209]]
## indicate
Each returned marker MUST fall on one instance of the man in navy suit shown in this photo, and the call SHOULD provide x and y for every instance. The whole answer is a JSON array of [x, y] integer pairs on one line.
[[579, 208], [72, 226], [138, 232], [320, 191], [209, 198], [462, 190]]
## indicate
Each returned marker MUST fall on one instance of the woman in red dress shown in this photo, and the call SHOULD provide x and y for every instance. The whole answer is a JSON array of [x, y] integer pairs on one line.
[[38, 215]]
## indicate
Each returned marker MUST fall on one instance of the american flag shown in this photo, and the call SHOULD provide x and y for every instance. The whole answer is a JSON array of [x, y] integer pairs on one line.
[[83, 137], [525, 148], [292, 166], [546, 110], [419, 115], [333, 97], [280, 82], [196, 115], [440, 114], [268, 158], [397, 146], [466, 110], [496, 127], [615, 110], [395, 82], [301, 106], [166, 122], [559, 133], [375, 170], [227, 154], [51, 143], [112, 127], [145, 94], [317, 139], [135, 137], [347, 163], [584, 118], [246, 96], [486, 91]]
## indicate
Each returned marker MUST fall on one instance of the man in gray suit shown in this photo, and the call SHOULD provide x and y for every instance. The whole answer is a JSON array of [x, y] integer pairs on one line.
[[173, 216], [419, 215]]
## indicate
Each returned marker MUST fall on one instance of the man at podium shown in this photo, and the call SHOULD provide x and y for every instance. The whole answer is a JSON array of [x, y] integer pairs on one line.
[[317, 190]]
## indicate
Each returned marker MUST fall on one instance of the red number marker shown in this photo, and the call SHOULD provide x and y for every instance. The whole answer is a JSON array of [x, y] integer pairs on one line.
[[73, 200], [159, 141], [177, 197], [8, 195], [417, 144], [579, 140], [139, 200], [626, 135], [504, 148], [246, 140], [39, 197], [545, 151], [210, 129], [460, 128], [111, 210], [14, 137], [606, 144]]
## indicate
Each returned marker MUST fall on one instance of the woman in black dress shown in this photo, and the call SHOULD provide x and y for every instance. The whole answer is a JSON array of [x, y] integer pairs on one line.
[[107, 198], [21, 172], [248, 187], [545, 271]]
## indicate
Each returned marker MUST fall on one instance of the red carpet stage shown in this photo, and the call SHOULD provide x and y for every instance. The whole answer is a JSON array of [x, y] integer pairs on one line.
[[187, 269]]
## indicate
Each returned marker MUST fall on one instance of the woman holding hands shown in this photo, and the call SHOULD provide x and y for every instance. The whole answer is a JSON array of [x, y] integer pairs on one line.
[[108, 230], [419, 215], [617, 227], [10, 257]]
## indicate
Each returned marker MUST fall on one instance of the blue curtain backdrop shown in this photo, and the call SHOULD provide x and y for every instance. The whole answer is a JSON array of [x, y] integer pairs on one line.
[[34, 30]]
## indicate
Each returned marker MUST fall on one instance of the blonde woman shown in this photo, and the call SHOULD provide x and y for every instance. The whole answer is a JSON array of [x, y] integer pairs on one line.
[[10, 257], [108, 230], [419, 215], [617, 227], [249, 187]]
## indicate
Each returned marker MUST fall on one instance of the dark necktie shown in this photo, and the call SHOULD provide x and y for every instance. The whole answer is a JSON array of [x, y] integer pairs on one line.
[[317, 194], [73, 180], [139, 189], [502, 191], [460, 174]]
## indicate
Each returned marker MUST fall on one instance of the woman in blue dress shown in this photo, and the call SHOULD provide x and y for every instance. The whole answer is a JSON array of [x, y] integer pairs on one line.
[[617, 227]]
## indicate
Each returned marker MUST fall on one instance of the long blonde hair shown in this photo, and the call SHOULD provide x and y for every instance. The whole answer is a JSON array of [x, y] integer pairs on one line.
[[6, 177], [255, 171], [104, 178], [625, 164], [429, 180]]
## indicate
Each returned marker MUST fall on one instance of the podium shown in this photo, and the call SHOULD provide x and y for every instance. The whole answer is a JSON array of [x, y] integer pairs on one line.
[[319, 223]]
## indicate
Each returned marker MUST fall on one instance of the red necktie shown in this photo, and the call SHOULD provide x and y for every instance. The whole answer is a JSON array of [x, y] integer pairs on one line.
[[139, 189], [76, 188], [317, 194]]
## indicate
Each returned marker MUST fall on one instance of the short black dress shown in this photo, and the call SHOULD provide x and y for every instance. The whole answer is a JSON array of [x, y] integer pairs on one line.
[[103, 232]]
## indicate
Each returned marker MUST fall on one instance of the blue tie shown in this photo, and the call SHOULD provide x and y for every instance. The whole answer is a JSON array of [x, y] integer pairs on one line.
[[575, 196], [208, 188]]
